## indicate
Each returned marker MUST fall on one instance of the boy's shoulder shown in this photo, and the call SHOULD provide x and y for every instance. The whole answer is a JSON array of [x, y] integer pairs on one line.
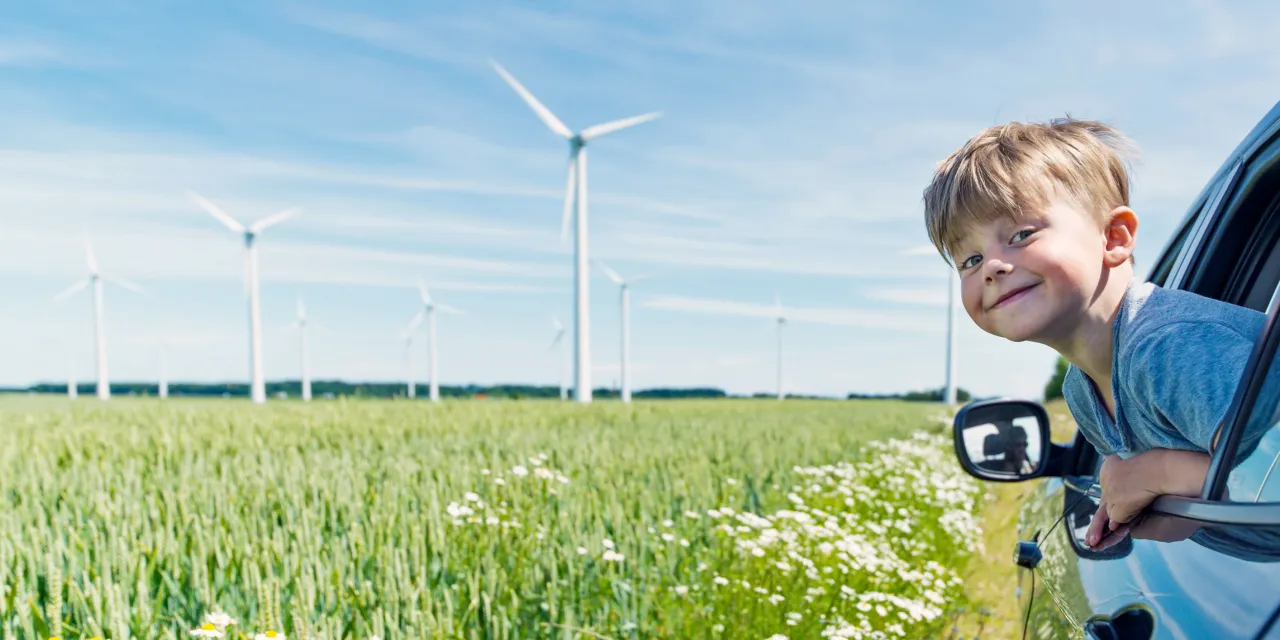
[[1152, 313]]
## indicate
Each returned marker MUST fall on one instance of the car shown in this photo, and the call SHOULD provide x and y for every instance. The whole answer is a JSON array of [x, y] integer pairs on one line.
[[1209, 567]]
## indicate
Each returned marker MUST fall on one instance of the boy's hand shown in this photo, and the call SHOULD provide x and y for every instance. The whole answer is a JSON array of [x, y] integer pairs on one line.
[[1128, 486]]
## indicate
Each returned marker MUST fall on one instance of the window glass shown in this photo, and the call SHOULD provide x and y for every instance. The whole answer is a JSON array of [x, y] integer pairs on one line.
[[1255, 474]]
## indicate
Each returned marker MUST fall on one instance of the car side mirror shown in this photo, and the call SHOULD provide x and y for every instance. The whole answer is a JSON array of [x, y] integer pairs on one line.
[[1003, 440]]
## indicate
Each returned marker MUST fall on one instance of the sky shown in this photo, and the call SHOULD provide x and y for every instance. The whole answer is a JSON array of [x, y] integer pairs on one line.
[[789, 162]]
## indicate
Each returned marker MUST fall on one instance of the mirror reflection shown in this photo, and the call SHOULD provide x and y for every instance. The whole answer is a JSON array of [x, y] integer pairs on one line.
[[1003, 440]]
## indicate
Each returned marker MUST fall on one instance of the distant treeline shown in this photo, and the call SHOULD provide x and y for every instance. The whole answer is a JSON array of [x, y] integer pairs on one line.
[[335, 388], [928, 395]]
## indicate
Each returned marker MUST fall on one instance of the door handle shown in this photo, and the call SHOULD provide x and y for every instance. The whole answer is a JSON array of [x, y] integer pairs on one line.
[[1131, 623]]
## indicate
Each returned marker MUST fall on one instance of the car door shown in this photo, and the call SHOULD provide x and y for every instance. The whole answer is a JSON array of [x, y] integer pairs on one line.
[[1177, 588]]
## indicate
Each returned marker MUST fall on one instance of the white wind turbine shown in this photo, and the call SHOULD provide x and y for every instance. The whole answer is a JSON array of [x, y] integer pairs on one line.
[[950, 392], [411, 386], [257, 389], [781, 320], [625, 313], [95, 279], [555, 342], [301, 324], [428, 312], [576, 193], [72, 390]]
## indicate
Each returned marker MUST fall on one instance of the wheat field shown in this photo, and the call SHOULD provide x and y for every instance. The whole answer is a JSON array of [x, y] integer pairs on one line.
[[480, 519]]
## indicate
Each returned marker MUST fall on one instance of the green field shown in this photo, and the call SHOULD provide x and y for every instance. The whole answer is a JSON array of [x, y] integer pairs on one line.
[[474, 519]]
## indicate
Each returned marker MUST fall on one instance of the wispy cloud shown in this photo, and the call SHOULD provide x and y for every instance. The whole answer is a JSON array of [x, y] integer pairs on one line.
[[840, 317]]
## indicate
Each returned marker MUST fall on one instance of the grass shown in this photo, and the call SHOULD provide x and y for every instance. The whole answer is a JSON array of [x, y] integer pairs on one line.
[[692, 519], [992, 577]]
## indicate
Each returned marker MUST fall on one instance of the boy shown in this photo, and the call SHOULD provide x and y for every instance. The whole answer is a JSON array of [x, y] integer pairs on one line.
[[1036, 219]]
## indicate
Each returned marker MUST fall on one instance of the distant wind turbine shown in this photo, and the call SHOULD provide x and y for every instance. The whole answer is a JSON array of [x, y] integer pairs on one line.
[[257, 389], [950, 397], [555, 342], [576, 193], [95, 279], [72, 391], [163, 389], [301, 324], [428, 312], [625, 313], [411, 386], [781, 320]]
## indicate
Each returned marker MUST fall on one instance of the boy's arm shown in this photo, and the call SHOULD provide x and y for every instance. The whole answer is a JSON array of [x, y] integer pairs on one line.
[[1129, 486]]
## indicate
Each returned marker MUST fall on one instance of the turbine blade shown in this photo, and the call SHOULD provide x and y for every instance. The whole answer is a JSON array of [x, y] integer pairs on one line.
[[556, 341], [127, 284], [274, 219], [642, 278], [71, 290], [613, 275], [423, 291], [302, 310], [569, 194], [413, 324], [213, 210], [90, 259], [450, 309], [544, 113], [597, 130], [555, 324]]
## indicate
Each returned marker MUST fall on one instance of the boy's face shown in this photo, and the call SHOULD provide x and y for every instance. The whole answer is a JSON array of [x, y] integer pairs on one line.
[[1032, 279]]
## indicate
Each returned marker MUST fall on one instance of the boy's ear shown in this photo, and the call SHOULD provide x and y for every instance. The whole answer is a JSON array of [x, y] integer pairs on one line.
[[1121, 232]]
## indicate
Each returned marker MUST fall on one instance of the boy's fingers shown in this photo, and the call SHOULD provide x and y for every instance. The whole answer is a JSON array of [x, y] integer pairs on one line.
[[1121, 513], [1113, 538], [1097, 525]]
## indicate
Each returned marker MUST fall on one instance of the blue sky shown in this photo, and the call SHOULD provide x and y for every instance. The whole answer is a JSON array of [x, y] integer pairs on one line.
[[790, 160]]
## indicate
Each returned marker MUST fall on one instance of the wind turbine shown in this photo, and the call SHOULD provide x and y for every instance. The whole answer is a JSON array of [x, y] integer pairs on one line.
[[950, 393], [781, 320], [162, 390], [411, 386], [555, 342], [301, 324], [576, 193], [625, 312], [257, 389], [72, 390], [428, 312], [95, 279]]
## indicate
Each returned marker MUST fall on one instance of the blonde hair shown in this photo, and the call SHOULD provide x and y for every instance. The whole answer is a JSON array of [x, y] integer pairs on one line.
[[1006, 171]]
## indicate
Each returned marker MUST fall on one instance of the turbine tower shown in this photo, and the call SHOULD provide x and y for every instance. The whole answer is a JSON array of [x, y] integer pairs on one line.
[[301, 324], [428, 312], [781, 320], [72, 391], [555, 342], [950, 393], [96, 279], [576, 194], [163, 389], [257, 388], [411, 386], [625, 313]]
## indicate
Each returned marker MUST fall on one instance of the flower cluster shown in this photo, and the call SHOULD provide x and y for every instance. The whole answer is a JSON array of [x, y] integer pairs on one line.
[[473, 509], [859, 544]]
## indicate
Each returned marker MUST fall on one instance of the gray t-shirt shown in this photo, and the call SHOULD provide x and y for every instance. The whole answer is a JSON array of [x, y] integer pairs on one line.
[[1176, 360]]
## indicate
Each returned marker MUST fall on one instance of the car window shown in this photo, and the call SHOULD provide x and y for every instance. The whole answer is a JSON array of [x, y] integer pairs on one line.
[[1253, 282], [1239, 263]]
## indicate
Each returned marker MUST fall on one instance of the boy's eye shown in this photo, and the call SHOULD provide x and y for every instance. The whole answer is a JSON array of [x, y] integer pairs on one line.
[[970, 262], [1022, 235]]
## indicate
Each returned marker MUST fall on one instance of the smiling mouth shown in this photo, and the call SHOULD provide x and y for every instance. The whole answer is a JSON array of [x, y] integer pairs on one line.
[[1013, 295]]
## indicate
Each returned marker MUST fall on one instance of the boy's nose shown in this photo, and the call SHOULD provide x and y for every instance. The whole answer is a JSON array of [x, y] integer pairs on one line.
[[995, 267]]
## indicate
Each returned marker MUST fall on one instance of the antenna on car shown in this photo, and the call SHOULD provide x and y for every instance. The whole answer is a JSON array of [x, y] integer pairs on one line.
[[1027, 554]]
